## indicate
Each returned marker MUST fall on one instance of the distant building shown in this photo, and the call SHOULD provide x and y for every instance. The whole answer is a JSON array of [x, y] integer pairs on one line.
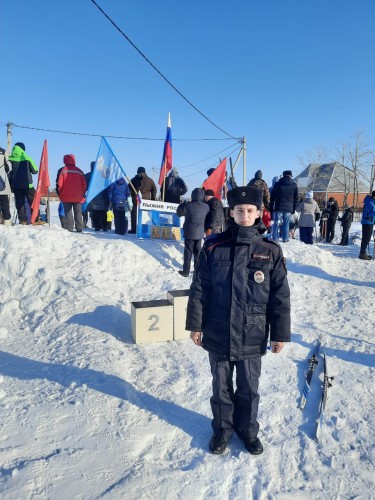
[[332, 179]]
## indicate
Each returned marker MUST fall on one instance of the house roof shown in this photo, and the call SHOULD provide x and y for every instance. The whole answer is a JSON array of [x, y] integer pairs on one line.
[[329, 177]]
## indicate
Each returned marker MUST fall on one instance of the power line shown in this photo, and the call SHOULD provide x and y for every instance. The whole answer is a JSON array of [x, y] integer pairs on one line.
[[112, 136], [212, 156], [160, 73], [213, 165]]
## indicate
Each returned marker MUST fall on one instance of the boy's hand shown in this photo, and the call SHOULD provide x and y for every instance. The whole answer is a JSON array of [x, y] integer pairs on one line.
[[196, 337], [276, 347]]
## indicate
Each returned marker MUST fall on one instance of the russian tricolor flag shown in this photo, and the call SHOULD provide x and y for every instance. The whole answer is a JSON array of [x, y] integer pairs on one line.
[[166, 164]]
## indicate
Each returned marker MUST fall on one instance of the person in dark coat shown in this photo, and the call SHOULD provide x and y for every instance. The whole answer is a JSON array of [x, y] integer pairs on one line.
[[195, 212], [239, 298], [367, 221], [346, 222], [283, 203], [98, 206], [121, 202], [175, 187], [261, 184], [214, 222], [146, 186], [21, 181], [332, 210], [5, 191]]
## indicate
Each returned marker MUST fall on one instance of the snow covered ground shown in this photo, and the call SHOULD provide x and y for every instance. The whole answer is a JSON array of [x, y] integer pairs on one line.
[[85, 413]]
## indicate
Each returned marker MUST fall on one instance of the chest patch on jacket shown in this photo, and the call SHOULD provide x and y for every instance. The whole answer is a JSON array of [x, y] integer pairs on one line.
[[258, 277], [261, 256]]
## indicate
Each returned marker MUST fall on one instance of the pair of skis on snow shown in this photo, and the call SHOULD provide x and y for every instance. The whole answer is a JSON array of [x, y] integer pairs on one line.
[[327, 383]]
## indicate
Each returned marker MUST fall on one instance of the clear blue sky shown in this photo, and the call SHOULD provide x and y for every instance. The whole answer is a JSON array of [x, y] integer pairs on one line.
[[289, 75]]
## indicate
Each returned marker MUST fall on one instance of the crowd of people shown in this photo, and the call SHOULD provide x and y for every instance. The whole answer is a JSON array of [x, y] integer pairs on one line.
[[283, 210], [239, 298]]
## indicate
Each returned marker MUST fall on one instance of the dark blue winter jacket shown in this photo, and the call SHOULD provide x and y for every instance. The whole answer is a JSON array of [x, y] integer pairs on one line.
[[240, 294], [119, 194], [284, 195], [368, 215], [195, 212]]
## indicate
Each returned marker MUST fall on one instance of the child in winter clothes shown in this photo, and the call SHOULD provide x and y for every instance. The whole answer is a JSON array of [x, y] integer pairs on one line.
[[239, 297], [121, 202], [346, 222], [308, 209]]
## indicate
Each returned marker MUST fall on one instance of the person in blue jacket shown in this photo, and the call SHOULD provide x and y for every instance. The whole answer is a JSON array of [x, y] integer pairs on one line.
[[121, 203], [368, 220], [61, 212]]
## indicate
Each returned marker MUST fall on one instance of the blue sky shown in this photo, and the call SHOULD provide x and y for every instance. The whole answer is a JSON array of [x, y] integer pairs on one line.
[[289, 75]]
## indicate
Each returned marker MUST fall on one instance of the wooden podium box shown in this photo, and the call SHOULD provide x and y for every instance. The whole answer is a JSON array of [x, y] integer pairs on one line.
[[152, 321], [179, 299]]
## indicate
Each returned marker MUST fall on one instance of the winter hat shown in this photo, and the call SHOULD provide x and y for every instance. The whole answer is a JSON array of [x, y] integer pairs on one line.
[[245, 195], [258, 174], [331, 198], [69, 159], [209, 192], [310, 194], [373, 194], [21, 145], [92, 165], [274, 180], [141, 170], [288, 172], [210, 171]]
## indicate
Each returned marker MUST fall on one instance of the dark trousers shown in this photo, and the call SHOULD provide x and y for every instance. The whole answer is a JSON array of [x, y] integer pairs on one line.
[[4, 206], [20, 196], [345, 234], [133, 216], [192, 247], [99, 219], [366, 236], [306, 235], [330, 230], [121, 222], [235, 410]]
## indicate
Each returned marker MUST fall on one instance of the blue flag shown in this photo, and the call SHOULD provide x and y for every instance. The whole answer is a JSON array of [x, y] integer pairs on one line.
[[107, 170]]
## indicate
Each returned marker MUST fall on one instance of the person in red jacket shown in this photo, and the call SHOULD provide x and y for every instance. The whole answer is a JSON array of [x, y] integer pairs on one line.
[[71, 187]]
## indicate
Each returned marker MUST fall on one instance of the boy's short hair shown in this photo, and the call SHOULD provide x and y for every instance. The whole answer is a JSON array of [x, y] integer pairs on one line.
[[245, 195]]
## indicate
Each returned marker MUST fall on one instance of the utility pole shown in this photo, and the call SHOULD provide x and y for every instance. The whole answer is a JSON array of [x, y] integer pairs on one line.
[[9, 138], [244, 160]]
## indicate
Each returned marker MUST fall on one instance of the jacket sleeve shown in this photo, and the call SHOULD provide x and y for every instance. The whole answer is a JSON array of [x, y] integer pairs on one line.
[[182, 210], [58, 181], [295, 202], [199, 296], [278, 309], [32, 167]]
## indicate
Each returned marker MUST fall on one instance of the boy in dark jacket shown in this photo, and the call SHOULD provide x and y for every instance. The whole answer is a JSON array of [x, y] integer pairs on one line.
[[346, 222], [239, 297], [195, 212]]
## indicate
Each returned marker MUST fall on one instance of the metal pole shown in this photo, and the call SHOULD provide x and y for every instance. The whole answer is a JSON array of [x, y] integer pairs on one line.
[[9, 138], [244, 160]]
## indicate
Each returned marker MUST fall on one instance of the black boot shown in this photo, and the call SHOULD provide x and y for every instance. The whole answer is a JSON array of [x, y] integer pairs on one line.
[[218, 442], [253, 445]]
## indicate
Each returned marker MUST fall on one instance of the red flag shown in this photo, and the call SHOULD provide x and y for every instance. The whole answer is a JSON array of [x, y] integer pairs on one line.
[[216, 180], [166, 163], [43, 182]]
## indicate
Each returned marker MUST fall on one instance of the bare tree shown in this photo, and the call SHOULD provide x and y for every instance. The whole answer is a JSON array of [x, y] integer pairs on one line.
[[320, 154], [357, 156]]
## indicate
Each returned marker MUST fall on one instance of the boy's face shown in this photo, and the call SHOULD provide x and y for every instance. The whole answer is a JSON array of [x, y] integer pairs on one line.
[[245, 215]]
